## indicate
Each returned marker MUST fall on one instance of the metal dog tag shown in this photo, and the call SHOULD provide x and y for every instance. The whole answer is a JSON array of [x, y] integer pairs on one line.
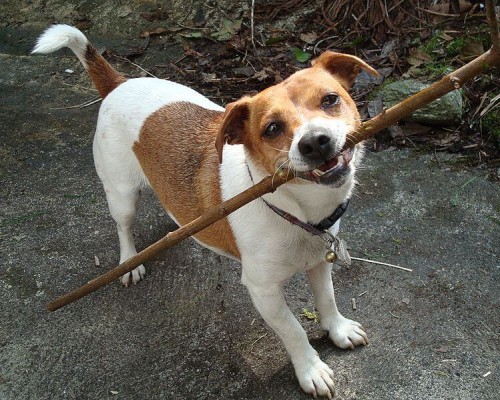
[[336, 249], [342, 253]]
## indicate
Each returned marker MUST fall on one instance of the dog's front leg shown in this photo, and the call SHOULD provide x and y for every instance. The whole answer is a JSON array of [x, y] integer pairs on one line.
[[344, 332], [315, 377]]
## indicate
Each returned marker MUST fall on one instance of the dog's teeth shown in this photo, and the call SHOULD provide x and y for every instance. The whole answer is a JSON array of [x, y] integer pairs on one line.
[[318, 172]]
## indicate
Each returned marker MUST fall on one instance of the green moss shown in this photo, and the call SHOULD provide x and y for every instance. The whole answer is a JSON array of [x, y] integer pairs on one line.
[[433, 44], [374, 93], [436, 69], [454, 47], [443, 51], [491, 123], [481, 34]]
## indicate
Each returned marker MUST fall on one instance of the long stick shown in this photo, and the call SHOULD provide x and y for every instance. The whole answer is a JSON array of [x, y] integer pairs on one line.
[[450, 82], [213, 214], [387, 118]]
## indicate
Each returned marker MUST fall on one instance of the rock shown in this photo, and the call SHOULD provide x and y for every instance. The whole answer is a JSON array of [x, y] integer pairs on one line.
[[365, 80], [447, 110]]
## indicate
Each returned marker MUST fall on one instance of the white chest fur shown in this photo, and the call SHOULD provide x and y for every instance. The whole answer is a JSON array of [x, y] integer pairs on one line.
[[266, 240]]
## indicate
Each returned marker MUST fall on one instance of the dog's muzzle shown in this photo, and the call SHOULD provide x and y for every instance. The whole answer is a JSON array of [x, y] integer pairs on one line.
[[331, 170]]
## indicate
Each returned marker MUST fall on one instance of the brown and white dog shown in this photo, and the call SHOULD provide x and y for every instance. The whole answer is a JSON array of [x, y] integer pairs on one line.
[[195, 154]]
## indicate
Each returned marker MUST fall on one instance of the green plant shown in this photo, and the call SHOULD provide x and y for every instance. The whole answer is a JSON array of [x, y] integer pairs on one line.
[[454, 47], [300, 55], [491, 122]]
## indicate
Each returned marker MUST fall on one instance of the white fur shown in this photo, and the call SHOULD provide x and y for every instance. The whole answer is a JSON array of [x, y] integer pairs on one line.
[[58, 36], [272, 249]]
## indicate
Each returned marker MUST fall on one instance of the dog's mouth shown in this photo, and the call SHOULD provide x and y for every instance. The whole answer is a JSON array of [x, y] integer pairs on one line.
[[330, 169]]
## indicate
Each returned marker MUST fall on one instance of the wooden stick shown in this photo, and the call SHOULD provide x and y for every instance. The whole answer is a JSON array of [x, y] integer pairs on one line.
[[268, 185], [381, 263], [450, 82]]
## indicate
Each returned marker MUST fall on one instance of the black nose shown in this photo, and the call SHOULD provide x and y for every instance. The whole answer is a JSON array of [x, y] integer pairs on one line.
[[315, 146]]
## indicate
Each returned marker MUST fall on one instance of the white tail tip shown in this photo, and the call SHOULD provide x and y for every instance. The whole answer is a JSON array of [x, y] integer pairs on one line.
[[58, 36]]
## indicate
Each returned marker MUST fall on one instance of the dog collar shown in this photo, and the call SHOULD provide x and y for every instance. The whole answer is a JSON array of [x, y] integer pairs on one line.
[[315, 229]]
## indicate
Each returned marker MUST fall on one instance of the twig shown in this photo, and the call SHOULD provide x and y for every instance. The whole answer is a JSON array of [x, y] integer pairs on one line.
[[353, 303], [252, 31], [495, 102], [258, 339], [87, 89], [450, 82], [81, 105], [381, 263], [493, 26], [484, 97], [394, 315], [187, 14], [438, 13], [135, 65]]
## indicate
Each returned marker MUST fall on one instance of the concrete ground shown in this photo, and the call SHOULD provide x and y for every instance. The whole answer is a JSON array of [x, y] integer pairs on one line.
[[189, 329]]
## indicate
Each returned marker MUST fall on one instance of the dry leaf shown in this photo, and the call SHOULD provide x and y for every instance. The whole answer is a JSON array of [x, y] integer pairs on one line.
[[261, 75], [154, 32], [418, 57], [310, 37], [472, 48], [208, 77]]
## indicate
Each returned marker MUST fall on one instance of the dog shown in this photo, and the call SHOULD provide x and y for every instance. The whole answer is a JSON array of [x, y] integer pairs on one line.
[[195, 154]]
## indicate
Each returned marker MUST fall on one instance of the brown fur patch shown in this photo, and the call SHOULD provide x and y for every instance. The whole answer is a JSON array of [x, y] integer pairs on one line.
[[104, 76], [176, 149]]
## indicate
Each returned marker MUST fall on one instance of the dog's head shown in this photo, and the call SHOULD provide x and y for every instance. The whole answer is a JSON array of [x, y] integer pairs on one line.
[[301, 123]]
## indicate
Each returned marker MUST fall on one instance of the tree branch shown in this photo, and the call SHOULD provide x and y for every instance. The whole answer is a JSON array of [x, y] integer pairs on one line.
[[493, 25]]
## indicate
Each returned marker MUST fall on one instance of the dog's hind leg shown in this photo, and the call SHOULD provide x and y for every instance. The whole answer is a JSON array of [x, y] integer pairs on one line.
[[122, 179], [122, 206]]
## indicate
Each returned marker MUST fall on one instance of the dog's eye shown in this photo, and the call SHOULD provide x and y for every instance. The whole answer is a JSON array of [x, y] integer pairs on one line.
[[330, 100], [274, 129]]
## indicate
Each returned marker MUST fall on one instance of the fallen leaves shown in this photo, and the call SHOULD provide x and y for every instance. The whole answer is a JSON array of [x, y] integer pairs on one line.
[[418, 57], [218, 58], [309, 38], [471, 49], [310, 315], [227, 29]]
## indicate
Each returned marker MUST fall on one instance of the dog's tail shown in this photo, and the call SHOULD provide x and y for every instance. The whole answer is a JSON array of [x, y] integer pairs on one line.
[[104, 76]]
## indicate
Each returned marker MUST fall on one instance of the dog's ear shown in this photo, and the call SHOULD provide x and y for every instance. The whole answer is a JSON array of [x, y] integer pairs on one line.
[[233, 124], [343, 66]]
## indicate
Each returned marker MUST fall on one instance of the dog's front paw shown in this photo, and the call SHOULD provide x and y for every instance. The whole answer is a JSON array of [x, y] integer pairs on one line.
[[346, 333], [133, 277], [315, 377]]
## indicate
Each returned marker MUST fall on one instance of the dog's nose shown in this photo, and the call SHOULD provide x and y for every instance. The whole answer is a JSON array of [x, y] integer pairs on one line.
[[315, 146]]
